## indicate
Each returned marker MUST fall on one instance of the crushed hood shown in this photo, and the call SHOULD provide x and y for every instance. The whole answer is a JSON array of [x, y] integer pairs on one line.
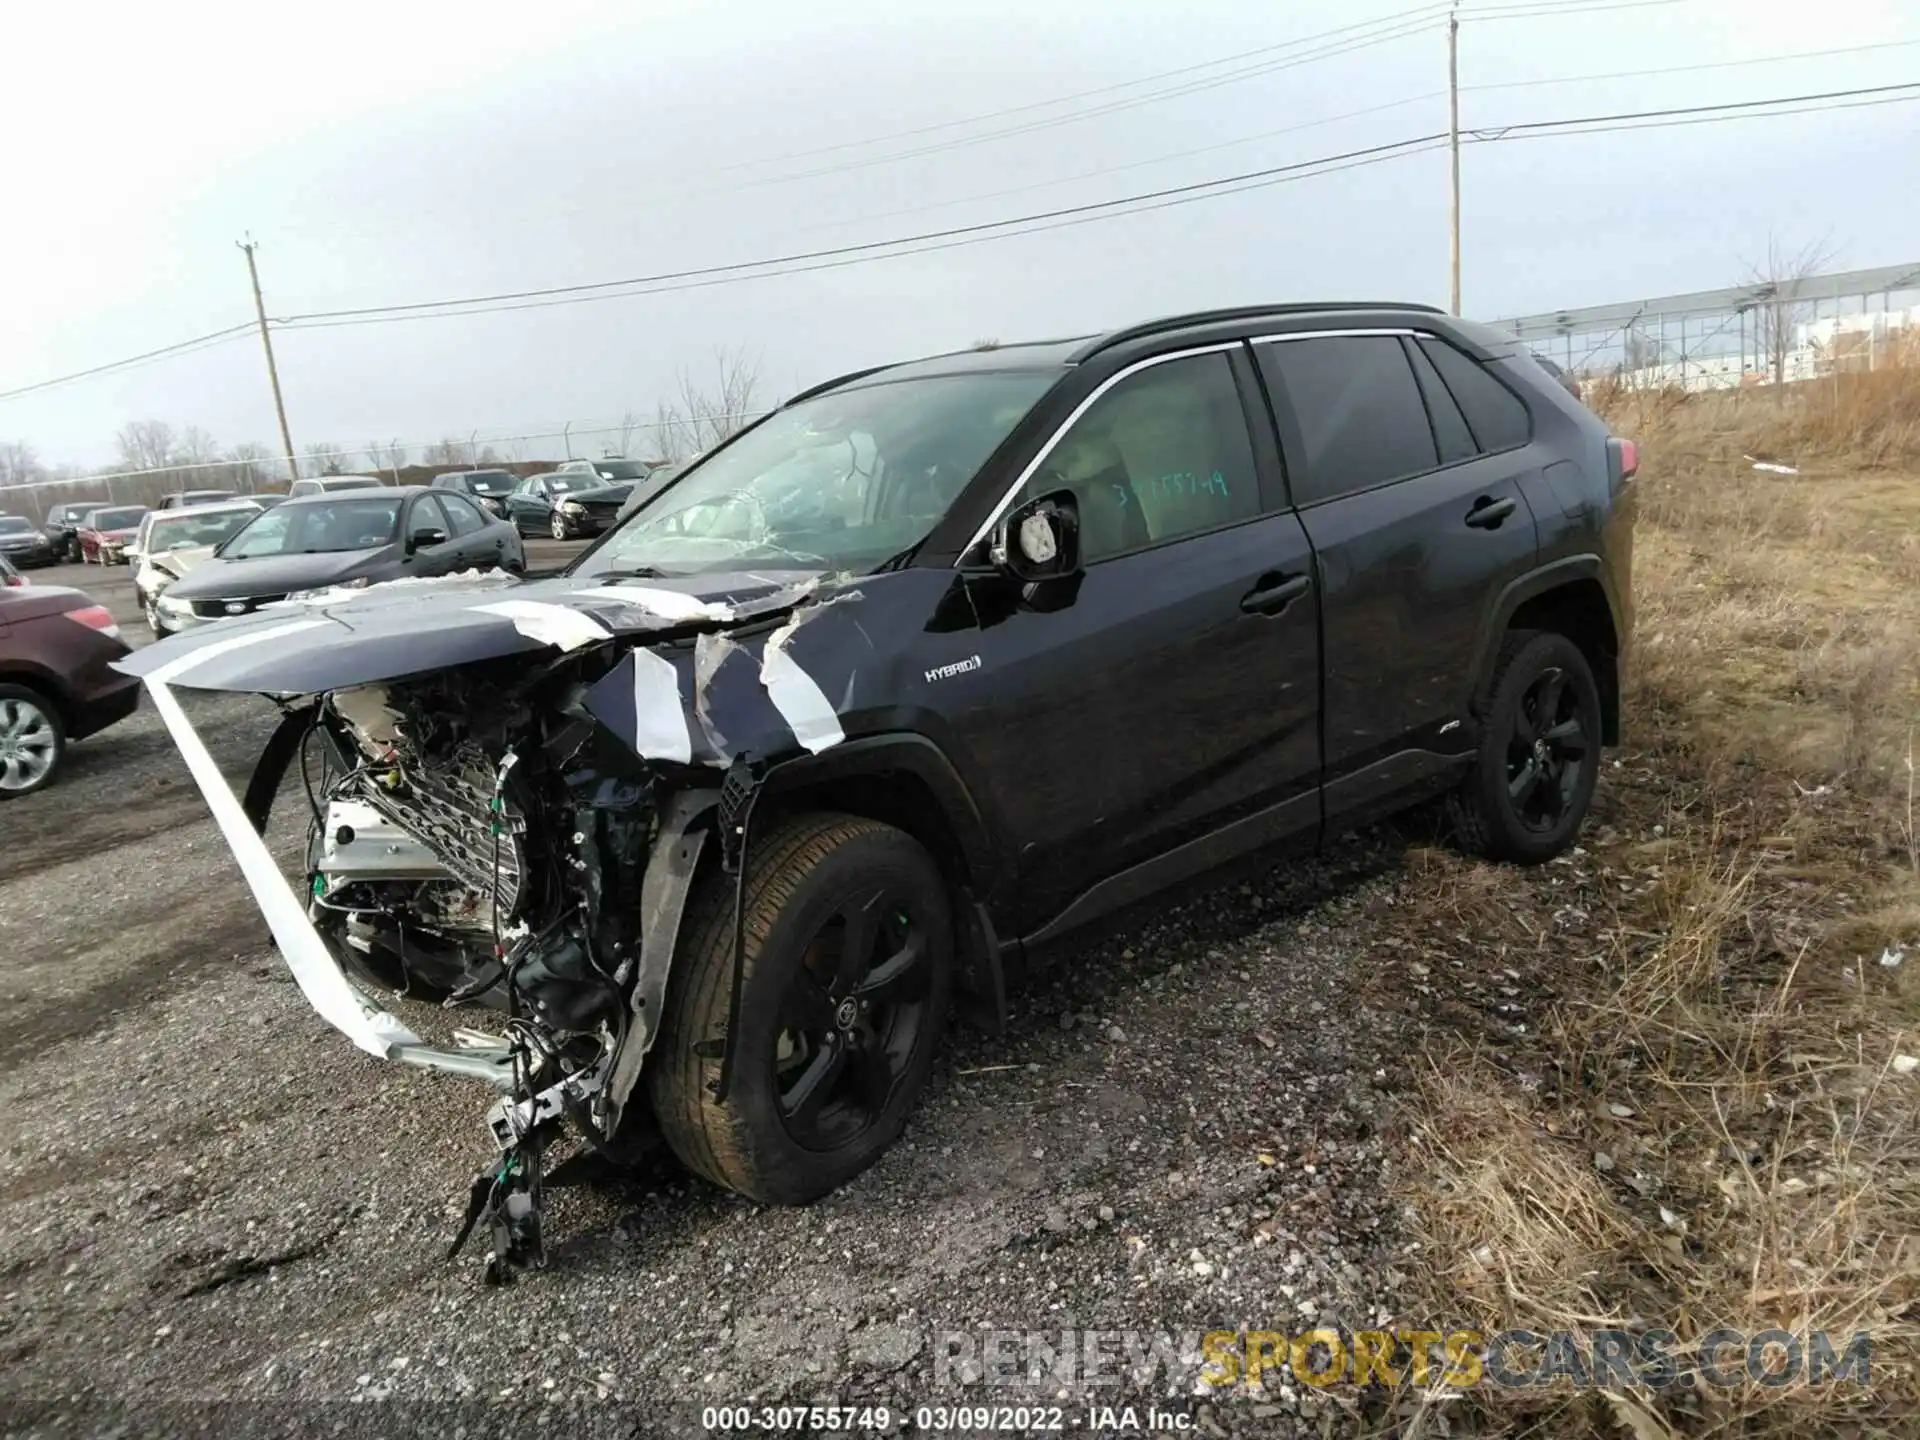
[[181, 559], [415, 627]]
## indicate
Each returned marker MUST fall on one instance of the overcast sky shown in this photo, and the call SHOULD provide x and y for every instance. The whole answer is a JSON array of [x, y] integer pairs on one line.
[[401, 151]]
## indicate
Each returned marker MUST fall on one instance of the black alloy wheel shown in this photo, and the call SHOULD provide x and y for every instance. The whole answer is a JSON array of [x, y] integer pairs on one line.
[[1548, 752], [1538, 758], [851, 1021]]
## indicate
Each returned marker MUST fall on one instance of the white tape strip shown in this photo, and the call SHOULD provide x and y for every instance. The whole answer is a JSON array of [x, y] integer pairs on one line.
[[667, 604], [306, 954], [558, 625], [659, 724], [800, 701]]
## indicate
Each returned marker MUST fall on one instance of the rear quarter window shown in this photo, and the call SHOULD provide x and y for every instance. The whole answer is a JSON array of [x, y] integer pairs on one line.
[[1497, 417]]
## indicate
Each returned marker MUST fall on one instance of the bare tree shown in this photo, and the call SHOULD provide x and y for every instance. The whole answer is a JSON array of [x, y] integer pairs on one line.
[[252, 465], [145, 445], [386, 455], [450, 452], [488, 455], [629, 424], [327, 458], [699, 417], [19, 465], [1780, 282]]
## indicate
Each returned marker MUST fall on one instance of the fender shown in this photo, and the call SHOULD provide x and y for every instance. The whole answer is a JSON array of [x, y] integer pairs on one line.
[[926, 762], [981, 983], [1535, 583]]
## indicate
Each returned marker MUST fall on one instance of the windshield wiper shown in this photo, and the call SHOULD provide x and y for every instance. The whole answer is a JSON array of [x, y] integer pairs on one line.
[[631, 572]]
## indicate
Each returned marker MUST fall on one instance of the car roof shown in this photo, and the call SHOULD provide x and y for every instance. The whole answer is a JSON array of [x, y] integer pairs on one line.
[[362, 492], [1075, 350], [209, 507]]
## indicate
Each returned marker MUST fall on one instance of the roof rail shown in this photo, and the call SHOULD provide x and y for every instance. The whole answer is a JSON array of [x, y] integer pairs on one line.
[[824, 385], [1235, 312]]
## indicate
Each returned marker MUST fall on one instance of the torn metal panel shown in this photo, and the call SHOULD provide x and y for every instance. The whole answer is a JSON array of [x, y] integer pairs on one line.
[[381, 634], [314, 968], [671, 866], [797, 695], [558, 625]]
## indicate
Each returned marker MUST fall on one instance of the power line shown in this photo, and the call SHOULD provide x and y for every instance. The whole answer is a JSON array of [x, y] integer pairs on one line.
[[1430, 12], [199, 342], [953, 237], [473, 304]]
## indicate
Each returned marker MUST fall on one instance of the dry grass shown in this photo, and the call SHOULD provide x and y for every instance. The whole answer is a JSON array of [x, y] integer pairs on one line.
[[1705, 1128]]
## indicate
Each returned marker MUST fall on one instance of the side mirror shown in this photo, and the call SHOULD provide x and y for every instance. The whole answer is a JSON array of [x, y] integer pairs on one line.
[[424, 536], [1039, 540]]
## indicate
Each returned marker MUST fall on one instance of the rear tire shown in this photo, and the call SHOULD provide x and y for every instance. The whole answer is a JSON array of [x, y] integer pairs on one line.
[[835, 1042], [1539, 757], [33, 741]]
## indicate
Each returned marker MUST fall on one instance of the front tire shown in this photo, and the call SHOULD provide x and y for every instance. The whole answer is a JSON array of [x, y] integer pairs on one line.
[[559, 527], [1539, 756], [33, 742], [847, 973]]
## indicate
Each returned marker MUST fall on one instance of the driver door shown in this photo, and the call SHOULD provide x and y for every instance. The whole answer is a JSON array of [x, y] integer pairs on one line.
[[1166, 699]]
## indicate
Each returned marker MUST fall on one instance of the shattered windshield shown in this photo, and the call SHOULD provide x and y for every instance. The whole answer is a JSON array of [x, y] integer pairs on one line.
[[318, 526], [188, 531], [842, 481]]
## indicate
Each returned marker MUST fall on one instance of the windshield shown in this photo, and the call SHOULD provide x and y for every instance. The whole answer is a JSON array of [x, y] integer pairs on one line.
[[117, 519], [185, 531], [842, 481], [318, 526], [567, 484], [490, 482], [14, 525], [622, 469], [205, 497]]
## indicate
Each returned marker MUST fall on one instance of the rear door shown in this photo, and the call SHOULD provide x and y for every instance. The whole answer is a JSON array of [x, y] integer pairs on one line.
[[1171, 690], [470, 532], [1417, 525]]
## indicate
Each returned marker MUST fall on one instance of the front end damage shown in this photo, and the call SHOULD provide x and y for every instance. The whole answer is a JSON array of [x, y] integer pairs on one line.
[[516, 830]]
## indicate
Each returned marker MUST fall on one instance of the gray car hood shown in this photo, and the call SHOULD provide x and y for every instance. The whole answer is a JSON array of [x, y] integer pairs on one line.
[[415, 627]]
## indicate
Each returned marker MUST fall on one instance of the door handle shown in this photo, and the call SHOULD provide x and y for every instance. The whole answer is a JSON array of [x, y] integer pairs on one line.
[[1273, 593], [1487, 514]]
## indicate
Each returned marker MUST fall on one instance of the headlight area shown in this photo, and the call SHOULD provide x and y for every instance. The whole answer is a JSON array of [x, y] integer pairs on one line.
[[329, 592], [572, 507], [481, 841]]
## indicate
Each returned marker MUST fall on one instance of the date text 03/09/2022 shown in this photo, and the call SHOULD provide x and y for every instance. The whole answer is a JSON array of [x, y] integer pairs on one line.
[[939, 1419]]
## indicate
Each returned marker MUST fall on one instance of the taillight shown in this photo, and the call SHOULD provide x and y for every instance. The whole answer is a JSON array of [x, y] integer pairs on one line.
[[1626, 458], [95, 617]]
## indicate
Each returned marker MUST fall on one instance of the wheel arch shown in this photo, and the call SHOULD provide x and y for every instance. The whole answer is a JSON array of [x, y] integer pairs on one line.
[[41, 682], [1571, 598], [907, 781]]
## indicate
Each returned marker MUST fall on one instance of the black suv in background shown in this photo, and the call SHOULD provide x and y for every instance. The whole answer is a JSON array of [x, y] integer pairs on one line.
[[933, 665], [487, 488]]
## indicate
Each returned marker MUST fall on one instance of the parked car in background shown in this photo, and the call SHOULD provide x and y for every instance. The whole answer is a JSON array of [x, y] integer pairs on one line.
[[587, 512], [106, 533], [57, 684], [267, 499], [532, 503], [334, 484], [10, 577], [1566, 381], [63, 526], [25, 543], [315, 543], [181, 499], [489, 488], [172, 542]]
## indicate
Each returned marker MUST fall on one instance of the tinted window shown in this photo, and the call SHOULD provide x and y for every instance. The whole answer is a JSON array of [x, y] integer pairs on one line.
[[1162, 454], [14, 525], [1494, 413], [1359, 412], [318, 526], [1456, 441], [465, 520]]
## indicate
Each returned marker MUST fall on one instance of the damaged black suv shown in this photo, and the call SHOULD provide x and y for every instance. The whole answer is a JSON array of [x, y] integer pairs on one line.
[[935, 664]]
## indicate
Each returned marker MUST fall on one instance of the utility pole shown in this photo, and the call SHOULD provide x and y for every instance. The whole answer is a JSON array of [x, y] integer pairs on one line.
[[273, 372], [1452, 102]]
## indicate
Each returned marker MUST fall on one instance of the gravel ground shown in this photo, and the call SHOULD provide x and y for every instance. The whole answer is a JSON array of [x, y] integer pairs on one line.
[[215, 1213]]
